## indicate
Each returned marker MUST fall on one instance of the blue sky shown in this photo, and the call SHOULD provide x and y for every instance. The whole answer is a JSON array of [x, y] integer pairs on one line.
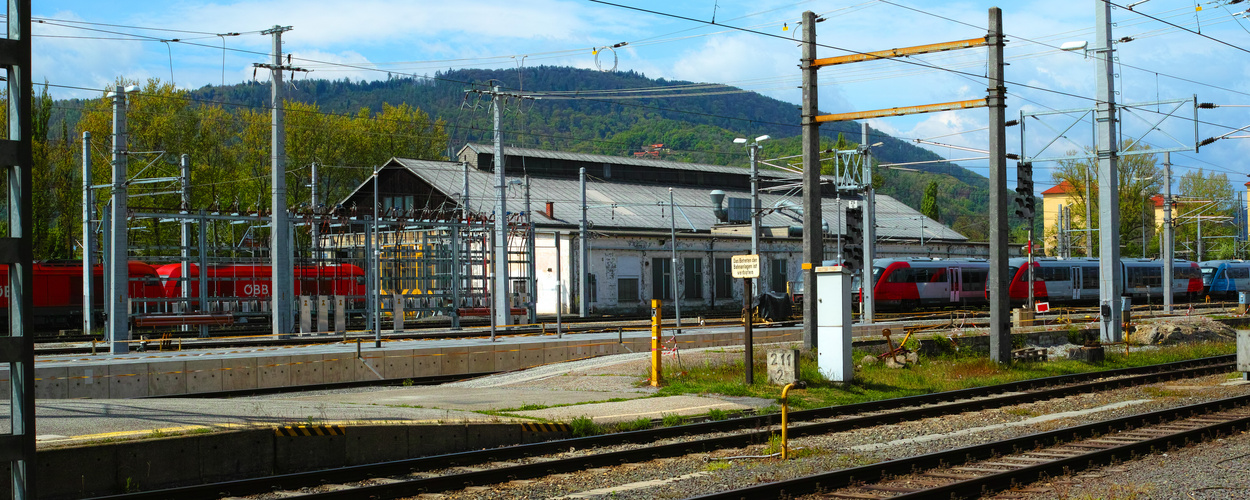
[[368, 38]]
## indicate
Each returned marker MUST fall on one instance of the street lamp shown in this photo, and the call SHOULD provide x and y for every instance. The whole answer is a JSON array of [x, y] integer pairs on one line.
[[754, 147]]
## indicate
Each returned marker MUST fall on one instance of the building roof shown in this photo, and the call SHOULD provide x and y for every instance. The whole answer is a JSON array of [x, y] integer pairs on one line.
[[1064, 187], [616, 205], [620, 160]]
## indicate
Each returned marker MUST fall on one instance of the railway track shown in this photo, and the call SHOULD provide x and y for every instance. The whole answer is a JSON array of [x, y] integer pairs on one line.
[[973, 471], [476, 468]]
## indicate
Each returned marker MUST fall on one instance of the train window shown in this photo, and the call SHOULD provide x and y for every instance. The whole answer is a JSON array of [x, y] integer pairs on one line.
[[939, 275], [1089, 277], [876, 274], [1186, 272], [901, 275], [974, 279], [1012, 271], [1238, 273]]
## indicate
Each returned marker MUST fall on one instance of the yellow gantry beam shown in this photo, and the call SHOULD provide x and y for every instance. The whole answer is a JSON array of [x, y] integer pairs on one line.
[[906, 110], [905, 51]]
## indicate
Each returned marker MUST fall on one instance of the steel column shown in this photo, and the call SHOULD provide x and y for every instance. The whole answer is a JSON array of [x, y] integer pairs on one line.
[[1000, 305], [870, 229], [813, 237], [503, 306], [1109, 271], [583, 274], [118, 264], [1167, 249], [184, 241], [88, 240]]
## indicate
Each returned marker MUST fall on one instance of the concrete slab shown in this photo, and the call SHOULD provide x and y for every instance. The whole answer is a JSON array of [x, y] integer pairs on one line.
[[338, 367], [370, 365], [368, 444], [128, 381], [297, 453], [87, 382], [531, 355], [203, 375], [556, 352], [481, 359], [639, 408], [246, 454], [429, 440], [398, 364], [168, 462], [427, 362], [238, 374], [273, 371], [307, 369], [166, 378], [491, 435], [507, 358], [455, 360], [470, 399], [96, 466], [51, 382]]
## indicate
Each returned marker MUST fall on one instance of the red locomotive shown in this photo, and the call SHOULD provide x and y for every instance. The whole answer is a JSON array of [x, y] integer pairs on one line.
[[58, 293], [250, 282]]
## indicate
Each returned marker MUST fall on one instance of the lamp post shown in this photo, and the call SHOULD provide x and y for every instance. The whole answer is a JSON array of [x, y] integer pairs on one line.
[[754, 148], [1144, 194]]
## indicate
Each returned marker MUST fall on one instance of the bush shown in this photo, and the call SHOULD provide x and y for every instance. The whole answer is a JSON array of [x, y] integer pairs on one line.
[[943, 344], [1075, 335], [584, 426]]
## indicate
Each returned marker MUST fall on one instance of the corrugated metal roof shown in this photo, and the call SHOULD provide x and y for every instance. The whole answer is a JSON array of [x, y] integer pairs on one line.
[[624, 160], [618, 205]]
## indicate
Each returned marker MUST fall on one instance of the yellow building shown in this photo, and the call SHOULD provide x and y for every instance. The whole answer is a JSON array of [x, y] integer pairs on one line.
[[1052, 199]]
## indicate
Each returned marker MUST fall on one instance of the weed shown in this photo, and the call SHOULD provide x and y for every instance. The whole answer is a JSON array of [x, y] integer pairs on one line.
[[912, 344], [157, 433], [1159, 392], [768, 410], [637, 424], [1017, 341], [717, 414], [717, 465], [583, 426], [408, 382], [672, 420], [131, 485], [943, 344], [1020, 412], [1075, 335]]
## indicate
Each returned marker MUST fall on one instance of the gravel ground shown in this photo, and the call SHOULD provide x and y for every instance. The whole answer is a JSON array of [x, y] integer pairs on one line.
[[707, 473]]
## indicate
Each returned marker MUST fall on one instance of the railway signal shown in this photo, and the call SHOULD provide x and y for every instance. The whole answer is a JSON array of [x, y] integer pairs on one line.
[[853, 246], [1024, 201]]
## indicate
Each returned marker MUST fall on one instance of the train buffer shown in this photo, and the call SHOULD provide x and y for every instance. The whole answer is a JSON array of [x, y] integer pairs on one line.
[[183, 319]]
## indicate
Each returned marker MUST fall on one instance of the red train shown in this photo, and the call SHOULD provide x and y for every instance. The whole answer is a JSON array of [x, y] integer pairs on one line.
[[58, 293], [249, 281]]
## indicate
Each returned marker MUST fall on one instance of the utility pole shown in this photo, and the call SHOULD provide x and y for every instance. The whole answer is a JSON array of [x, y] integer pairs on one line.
[[813, 237], [1108, 183], [582, 257], [503, 306], [870, 228], [1089, 216], [672, 232], [88, 240], [1000, 325], [316, 226], [1167, 233], [754, 148], [283, 271], [532, 282], [184, 240], [118, 309]]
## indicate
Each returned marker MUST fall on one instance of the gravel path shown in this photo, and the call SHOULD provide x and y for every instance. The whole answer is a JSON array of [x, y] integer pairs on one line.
[[715, 472]]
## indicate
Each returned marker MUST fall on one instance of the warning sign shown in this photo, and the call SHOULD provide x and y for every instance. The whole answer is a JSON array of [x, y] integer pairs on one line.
[[745, 266]]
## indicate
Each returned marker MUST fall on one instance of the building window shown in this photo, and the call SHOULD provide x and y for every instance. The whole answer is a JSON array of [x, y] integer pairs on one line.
[[692, 271], [661, 278], [628, 277], [723, 276], [626, 290], [592, 289], [777, 275]]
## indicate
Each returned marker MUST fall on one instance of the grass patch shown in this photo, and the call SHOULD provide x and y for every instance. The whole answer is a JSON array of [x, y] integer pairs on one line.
[[1159, 392], [717, 414], [717, 465], [638, 424], [935, 374], [584, 426], [672, 420]]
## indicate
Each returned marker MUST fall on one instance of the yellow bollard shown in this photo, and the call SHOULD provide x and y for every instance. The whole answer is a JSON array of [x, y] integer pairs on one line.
[[656, 354], [785, 410]]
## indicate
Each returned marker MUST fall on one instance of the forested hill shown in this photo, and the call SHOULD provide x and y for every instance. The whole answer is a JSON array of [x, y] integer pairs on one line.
[[693, 124]]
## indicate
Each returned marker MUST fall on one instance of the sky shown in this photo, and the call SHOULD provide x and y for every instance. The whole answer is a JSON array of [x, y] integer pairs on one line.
[[81, 47]]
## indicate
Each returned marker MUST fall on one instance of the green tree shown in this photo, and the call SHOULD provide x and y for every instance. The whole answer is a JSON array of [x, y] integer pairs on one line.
[[929, 203], [1138, 177], [1205, 198]]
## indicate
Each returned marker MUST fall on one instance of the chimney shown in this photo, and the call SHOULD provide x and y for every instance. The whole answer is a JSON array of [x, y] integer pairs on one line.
[[551, 210]]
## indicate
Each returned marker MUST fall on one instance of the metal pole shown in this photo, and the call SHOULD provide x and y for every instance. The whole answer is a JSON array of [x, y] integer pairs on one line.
[[672, 236], [376, 251], [870, 229], [118, 265], [532, 282], [184, 242], [203, 274], [1089, 215], [813, 244], [283, 272], [19, 350], [1030, 264], [316, 231], [755, 208], [748, 339], [1166, 248], [88, 240], [559, 289], [583, 259], [503, 306], [1108, 183], [1199, 255], [1000, 305]]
